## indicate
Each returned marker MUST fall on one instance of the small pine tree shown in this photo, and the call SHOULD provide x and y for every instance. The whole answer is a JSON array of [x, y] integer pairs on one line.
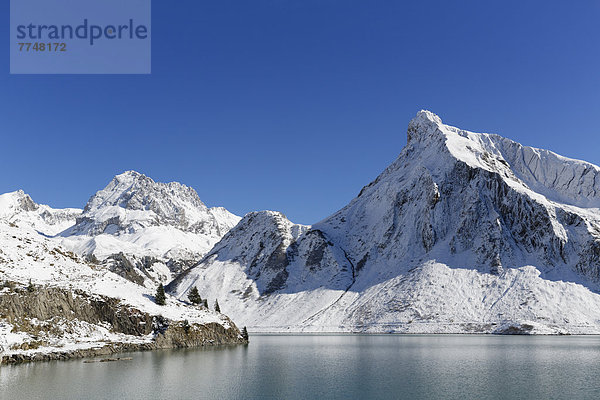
[[30, 288], [217, 308], [496, 268], [205, 303], [245, 334], [160, 295], [194, 296]]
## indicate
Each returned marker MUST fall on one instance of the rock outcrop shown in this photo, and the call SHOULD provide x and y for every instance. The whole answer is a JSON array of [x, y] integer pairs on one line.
[[45, 316]]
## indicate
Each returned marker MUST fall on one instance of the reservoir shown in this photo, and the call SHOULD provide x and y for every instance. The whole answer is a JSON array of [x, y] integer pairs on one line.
[[330, 367]]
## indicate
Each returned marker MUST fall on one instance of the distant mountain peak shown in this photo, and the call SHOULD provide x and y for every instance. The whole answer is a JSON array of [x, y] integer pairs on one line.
[[130, 173], [132, 197], [139, 217], [134, 191], [426, 115]]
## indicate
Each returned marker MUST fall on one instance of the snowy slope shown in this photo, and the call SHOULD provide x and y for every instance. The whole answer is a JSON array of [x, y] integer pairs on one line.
[[464, 232], [158, 228]]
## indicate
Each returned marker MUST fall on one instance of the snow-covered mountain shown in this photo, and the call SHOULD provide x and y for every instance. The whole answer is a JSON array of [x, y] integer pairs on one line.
[[464, 232], [147, 230], [19, 209]]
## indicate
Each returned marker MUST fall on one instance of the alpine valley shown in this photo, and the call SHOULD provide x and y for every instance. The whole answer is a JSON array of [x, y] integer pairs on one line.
[[463, 233]]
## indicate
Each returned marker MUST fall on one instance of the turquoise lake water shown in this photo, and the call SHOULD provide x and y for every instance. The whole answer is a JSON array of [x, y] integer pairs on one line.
[[330, 367]]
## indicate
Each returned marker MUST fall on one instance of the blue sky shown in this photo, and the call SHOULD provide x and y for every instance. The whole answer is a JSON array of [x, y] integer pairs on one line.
[[295, 105]]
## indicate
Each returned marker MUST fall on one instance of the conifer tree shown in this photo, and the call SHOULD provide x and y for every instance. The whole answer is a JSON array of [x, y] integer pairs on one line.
[[30, 288], [194, 296], [245, 334], [160, 295], [217, 308]]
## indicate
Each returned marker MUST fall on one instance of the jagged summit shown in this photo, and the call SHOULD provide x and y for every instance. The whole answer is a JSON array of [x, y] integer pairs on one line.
[[132, 200], [158, 228], [429, 116], [538, 171], [134, 191]]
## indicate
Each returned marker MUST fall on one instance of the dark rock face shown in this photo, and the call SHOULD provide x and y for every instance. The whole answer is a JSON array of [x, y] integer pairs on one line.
[[27, 204], [48, 303], [314, 255], [120, 265], [518, 329], [139, 269], [180, 334], [71, 354]]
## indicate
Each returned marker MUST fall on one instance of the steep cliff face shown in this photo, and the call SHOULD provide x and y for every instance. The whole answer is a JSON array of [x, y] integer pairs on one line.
[[463, 230], [281, 256]]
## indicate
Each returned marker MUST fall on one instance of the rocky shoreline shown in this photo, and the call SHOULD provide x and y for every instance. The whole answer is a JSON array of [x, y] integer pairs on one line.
[[45, 316], [169, 341]]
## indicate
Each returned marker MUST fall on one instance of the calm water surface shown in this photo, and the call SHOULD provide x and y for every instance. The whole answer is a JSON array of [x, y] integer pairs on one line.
[[330, 367]]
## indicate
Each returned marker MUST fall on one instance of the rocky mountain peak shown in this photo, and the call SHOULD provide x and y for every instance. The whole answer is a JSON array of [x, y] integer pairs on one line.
[[134, 191], [158, 228], [25, 202], [132, 200], [423, 126]]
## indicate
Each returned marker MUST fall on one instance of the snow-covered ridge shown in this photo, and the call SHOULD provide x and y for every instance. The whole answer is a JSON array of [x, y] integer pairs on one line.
[[18, 208], [558, 178]]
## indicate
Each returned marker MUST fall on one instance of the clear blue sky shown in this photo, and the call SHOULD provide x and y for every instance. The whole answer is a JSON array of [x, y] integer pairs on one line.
[[295, 105]]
